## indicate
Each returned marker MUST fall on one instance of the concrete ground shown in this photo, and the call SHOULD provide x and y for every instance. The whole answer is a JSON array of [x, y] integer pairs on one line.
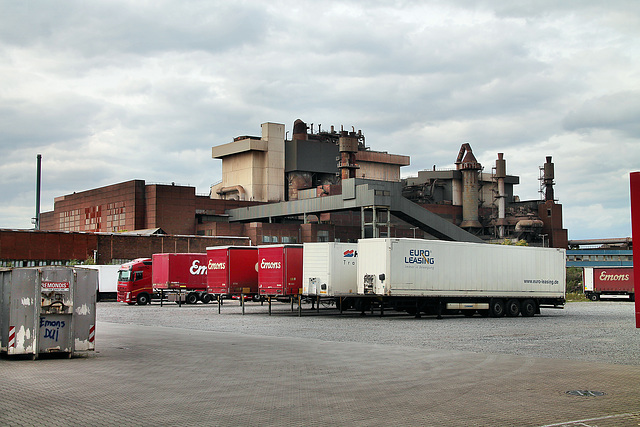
[[156, 375]]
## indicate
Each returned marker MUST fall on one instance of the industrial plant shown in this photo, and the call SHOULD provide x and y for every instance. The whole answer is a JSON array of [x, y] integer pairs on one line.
[[316, 185]]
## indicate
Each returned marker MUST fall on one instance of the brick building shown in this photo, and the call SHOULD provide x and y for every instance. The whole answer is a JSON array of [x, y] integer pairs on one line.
[[135, 205]]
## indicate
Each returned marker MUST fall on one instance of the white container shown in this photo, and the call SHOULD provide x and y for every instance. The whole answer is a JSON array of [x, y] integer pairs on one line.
[[107, 278], [436, 268], [329, 269]]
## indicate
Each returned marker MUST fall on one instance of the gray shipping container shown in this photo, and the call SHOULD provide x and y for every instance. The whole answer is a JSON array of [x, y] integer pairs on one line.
[[47, 310]]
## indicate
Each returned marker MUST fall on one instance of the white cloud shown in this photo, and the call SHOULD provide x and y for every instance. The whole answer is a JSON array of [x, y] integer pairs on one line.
[[112, 91]]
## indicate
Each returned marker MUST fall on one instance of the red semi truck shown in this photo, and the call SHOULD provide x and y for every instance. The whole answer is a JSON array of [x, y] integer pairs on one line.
[[608, 283], [134, 282], [232, 271], [181, 277], [279, 270]]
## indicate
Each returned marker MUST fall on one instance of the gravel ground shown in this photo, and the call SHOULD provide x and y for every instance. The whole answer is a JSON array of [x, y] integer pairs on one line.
[[585, 331]]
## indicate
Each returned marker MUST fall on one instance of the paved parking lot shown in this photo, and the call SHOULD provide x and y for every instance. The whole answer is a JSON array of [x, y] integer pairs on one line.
[[191, 366]]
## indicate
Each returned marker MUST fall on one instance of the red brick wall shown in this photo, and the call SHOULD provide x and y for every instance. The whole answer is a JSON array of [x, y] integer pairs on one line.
[[171, 208], [115, 207], [551, 215], [60, 246], [118, 246], [46, 246]]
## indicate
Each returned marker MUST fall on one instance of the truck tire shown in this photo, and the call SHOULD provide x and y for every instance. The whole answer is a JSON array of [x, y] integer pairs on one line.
[[513, 308], [528, 308], [143, 299], [594, 297], [206, 298], [496, 307], [192, 298]]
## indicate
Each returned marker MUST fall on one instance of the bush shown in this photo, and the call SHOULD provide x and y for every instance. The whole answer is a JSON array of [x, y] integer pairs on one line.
[[574, 280]]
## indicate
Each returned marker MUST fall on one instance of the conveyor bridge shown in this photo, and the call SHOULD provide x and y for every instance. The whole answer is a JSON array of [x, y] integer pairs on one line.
[[360, 194]]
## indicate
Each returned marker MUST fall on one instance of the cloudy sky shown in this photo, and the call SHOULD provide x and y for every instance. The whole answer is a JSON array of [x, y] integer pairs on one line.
[[109, 91]]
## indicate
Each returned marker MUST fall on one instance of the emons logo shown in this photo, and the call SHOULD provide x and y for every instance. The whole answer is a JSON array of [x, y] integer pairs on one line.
[[197, 269], [419, 256], [266, 265], [608, 277], [216, 265]]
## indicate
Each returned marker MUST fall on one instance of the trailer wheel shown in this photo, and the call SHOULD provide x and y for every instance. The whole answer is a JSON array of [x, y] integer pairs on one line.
[[206, 298], [192, 298], [496, 307], [513, 308], [143, 299], [528, 308], [594, 297]]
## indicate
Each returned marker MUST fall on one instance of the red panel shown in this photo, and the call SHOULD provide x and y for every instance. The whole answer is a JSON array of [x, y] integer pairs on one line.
[[613, 279], [244, 270], [293, 257], [175, 271], [271, 270], [635, 225], [218, 271], [280, 270], [232, 270]]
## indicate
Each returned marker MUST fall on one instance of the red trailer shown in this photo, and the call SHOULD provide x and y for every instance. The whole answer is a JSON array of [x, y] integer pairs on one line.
[[232, 271], [608, 283], [182, 276], [279, 270]]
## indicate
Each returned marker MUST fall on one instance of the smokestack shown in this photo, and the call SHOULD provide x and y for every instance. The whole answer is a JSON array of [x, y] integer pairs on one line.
[[470, 192], [501, 174], [348, 147], [38, 184], [548, 177], [299, 130]]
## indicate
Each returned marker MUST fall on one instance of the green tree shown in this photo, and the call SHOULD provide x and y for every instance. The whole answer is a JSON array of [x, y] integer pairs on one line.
[[574, 279]]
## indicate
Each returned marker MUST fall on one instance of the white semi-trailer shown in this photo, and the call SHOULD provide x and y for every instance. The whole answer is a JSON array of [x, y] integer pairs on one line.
[[329, 269], [107, 280], [441, 277]]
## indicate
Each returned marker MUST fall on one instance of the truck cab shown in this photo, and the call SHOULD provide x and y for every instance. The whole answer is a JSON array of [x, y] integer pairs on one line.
[[134, 282]]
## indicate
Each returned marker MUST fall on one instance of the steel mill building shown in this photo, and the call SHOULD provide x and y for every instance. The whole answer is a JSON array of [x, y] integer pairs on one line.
[[320, 185]]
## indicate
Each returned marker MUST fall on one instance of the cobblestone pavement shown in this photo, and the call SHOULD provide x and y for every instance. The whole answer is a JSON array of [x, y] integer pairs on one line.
[[190, 366]]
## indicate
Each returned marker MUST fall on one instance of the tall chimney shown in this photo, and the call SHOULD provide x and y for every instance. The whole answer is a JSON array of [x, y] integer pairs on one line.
[[38, 184], [470, 168], [348, 147], [549, 176], [501, 174]]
